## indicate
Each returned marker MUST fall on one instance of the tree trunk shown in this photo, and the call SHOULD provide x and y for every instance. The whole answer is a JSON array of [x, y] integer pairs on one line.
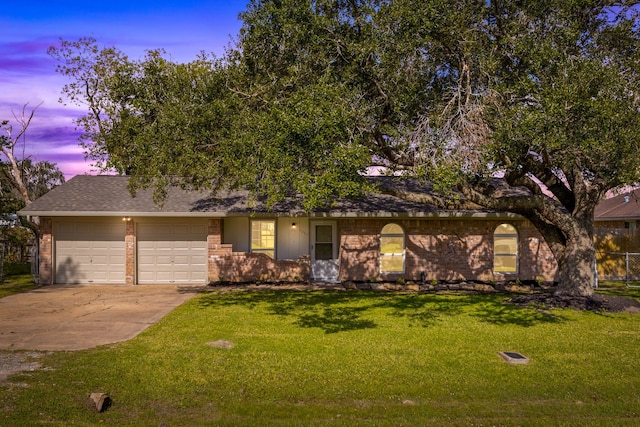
[[576, 266]]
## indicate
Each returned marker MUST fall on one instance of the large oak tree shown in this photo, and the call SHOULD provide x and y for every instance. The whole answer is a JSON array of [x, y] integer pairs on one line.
[[528, 107]]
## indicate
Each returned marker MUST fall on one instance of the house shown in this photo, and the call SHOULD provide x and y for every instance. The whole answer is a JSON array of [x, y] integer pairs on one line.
[[8, 220], [94, 231], [619, 212], [617, 236]]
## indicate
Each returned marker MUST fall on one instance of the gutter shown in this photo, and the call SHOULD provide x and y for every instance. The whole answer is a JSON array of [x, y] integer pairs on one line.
[[219, 214]]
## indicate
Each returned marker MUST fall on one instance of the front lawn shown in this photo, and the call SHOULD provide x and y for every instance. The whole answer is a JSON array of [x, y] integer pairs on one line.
[[16, 283], [283, 357]]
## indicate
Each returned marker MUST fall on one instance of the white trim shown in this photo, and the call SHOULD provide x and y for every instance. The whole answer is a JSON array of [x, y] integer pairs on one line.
[[394, 254], [324, 266]]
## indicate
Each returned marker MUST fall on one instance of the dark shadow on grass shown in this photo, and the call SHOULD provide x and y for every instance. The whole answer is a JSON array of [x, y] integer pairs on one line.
[[339, 319], [340, 311], [422, 310], [493, 309], [620, 291], [509, 314]]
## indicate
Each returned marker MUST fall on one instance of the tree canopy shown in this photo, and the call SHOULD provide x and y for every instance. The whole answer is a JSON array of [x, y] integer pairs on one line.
[[482, 96]]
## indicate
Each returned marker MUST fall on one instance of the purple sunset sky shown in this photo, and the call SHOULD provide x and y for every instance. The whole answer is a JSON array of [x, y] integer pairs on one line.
[[27, 74]]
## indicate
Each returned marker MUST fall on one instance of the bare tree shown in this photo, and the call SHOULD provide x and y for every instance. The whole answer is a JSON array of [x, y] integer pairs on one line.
[[21, 179], [14, 173]]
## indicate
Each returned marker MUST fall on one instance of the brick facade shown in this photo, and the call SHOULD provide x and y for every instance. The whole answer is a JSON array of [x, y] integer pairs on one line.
[[239, 267], [45, 267], [130, 249], [228, 266], [436, 249], [441, 250]]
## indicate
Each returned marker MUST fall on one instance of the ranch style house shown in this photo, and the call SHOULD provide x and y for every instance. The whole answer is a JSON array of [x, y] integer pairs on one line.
[[92, 230]]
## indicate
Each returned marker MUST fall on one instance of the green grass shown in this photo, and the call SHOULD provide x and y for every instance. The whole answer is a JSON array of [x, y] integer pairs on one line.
[[346, 358], [618, 288], [14, 284]]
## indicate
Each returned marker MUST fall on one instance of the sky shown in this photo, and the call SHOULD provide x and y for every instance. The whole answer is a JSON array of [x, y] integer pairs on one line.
[[27, 74]]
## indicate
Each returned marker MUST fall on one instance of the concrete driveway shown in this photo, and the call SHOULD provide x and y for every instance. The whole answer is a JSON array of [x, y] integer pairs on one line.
[[77, 317]]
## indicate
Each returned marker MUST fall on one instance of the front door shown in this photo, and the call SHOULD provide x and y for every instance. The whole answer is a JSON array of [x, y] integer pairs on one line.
[[324, 252]]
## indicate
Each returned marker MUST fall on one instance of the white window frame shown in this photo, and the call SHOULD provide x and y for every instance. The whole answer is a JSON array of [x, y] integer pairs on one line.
[[269, 251], [515, 255], [393, 254]]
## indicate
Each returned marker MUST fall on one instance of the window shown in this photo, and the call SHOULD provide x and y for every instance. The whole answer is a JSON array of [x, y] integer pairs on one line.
[[505, 249], [263, 237], [324, 242], [392, 249]]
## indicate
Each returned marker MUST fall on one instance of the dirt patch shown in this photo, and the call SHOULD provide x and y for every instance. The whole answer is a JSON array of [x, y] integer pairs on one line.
[[221, 344], [601, 303], [17, 361]]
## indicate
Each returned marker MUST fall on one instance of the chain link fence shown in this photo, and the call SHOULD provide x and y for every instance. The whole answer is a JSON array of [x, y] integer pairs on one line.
[[619, 266]]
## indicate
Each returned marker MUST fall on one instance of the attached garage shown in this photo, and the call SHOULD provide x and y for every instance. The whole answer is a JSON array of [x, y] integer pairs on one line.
[[89, 251], [172, 251]]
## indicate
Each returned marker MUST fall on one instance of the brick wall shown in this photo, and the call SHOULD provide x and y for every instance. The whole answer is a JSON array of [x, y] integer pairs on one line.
[[130, 253], [228, 266], [239, 267], [442, 249], [45, 266]]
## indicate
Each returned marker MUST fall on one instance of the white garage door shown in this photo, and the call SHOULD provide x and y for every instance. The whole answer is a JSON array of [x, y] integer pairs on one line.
[[89, 251], [172, 252]]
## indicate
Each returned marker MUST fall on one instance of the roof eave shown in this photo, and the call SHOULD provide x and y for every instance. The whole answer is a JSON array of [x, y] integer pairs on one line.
[[617, 218], [219, 214], [117, 214]]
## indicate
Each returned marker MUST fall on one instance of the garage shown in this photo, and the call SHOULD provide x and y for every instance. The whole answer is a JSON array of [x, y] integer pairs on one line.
[[172, 251], [89, 251]]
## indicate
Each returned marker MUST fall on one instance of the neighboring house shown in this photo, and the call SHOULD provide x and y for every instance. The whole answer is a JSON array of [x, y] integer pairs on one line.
[[619, 212], [94, 231], [617, 233], [8, 220]]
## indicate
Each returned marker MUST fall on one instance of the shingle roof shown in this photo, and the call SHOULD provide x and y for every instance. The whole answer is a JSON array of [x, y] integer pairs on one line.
[[105, 195], [621, 207]]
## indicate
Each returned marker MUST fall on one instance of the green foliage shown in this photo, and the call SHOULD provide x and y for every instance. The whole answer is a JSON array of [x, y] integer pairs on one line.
[[541, 94], [39, 178], [4, 140], [15, 280], [572, 103], [345, 358], [314, 92], [16, 240], [164, 122], [13, 269]]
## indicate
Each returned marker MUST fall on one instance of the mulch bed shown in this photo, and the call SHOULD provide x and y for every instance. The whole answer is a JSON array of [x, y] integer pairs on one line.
[[598, 303]]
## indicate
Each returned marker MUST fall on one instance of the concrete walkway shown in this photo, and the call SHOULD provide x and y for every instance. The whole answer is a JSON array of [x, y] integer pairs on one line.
[[77, 317]]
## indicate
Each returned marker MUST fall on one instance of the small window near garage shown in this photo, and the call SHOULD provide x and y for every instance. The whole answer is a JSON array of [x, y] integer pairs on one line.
[[263, 237], [392, 249], [505, 249]]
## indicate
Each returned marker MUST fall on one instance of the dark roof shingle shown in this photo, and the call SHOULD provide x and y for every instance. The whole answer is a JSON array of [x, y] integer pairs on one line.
[[106, 195]]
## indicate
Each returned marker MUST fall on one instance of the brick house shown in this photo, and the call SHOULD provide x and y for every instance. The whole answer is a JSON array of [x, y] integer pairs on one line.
[[94, 231]]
